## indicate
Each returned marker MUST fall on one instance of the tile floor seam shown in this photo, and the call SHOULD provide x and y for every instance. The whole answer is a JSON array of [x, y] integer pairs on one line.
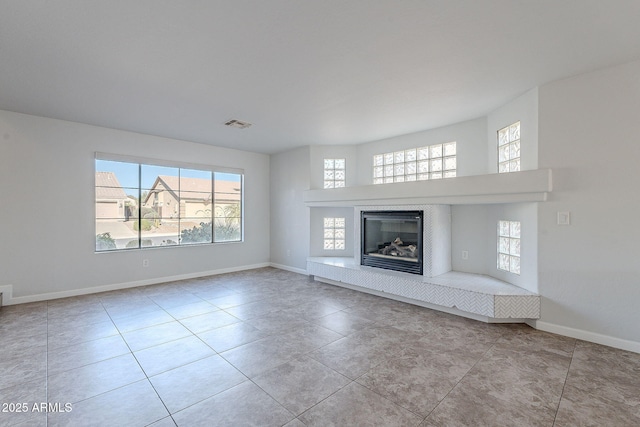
[[463, 377], [573, 352]]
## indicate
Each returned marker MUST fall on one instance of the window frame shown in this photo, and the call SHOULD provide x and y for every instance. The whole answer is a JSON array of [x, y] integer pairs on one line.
[[141, 188]]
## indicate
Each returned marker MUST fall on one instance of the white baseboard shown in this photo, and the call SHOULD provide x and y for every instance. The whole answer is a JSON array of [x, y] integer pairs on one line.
[[288, 268], [9, 300], [586, 336]]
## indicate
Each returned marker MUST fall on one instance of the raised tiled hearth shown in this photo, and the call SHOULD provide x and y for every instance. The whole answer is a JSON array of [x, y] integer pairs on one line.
[[469, 293]]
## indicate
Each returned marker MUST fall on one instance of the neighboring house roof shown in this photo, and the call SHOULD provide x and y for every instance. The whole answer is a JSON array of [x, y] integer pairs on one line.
[[198, 188], [108, 187]]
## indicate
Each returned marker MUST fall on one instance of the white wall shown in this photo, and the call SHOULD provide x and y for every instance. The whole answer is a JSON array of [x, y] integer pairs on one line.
[[47, 215], [290, 223], [590, 270], [316, 235]]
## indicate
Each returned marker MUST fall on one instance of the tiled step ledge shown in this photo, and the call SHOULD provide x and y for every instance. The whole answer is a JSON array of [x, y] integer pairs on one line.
[[484, 297]]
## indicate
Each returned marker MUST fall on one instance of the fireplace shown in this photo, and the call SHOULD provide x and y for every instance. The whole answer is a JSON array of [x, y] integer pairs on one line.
[[392, 240]]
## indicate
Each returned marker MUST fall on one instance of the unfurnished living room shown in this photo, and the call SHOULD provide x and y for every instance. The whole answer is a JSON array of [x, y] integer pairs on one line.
[[319, 213]]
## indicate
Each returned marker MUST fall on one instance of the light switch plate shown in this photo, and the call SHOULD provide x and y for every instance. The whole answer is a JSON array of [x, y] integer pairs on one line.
[[564, 218]]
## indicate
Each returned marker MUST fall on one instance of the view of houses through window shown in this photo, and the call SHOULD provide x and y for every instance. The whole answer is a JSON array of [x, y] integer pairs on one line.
[[140, 205], [416, 164]]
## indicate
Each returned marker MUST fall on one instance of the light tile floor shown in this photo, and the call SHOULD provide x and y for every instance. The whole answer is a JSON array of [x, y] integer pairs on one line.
[[269, 347]]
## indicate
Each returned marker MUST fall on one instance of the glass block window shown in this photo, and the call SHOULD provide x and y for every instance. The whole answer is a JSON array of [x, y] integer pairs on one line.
[[416, 164], [334, 173], [509, 148], [509, 246], [334, 233]]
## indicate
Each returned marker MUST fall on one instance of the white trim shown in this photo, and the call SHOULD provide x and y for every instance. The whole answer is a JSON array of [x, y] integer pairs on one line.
[[117, 286], [586, 336], [288, 268], [166, 163]]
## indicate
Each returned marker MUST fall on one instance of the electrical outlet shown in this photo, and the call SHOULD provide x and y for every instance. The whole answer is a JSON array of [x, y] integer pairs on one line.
[[145, 263], [465, 254]]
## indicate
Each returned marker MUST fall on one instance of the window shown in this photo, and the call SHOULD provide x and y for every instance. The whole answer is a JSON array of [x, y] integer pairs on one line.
[[334, 233], [334, 173], [145, 205], [416, 164], [509, 148], [509, 246]]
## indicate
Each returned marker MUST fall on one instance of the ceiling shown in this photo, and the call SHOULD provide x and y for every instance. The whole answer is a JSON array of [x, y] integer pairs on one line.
[[302, 72]]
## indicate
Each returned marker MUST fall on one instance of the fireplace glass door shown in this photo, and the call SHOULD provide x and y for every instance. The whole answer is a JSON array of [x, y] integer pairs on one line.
[[392, 240]]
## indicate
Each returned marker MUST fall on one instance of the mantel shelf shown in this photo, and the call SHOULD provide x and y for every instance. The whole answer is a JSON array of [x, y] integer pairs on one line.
[[517, 187]]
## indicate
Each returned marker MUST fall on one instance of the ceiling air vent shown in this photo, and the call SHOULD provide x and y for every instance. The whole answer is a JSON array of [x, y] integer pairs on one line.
[[238, 124]]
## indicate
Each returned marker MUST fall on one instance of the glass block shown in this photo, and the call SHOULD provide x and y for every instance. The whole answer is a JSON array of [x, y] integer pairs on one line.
[[398, 157], [514, 131], [378, 160], [338, 222], [329, 174], [339, 233], [503, 262], [339, 244], [399, 169], [411, 177], [503, 167], [423, 153], [329, 233], [514, 165], [410, 155], [328, 244], [503, 136], [378, 172], [423, 166], [503, 153], [423, 176], [339, 163], [450, 149], [514, 247], [339, 175], [378, 181], [435, 165], [328, 222], [435, 175], [329, 184], [503, 245], [450, 163], [339, 184], [328, 163], [514, 264], [410, 168], [504, 228], [514, 229], [388, 159], [398, 178], [435, 151], [388, 170], [450, 174], [388, 179], [514, 150]]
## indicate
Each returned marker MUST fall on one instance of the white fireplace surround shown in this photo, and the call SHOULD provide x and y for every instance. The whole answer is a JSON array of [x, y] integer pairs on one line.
[[471, 295]]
